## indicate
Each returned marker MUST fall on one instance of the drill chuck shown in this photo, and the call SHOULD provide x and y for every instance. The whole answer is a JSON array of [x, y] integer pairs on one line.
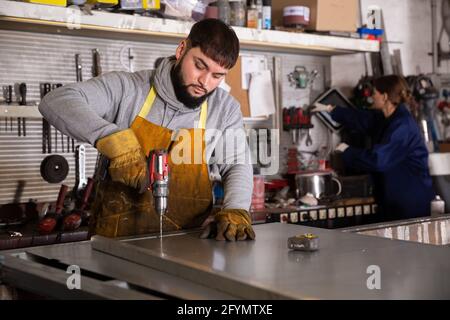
[[159, 179], [160, 196]]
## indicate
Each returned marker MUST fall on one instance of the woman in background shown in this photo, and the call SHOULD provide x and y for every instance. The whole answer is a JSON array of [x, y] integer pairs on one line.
[[398, 160]]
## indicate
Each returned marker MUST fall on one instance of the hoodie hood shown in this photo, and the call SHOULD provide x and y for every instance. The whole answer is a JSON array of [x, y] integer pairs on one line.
[[164, 87]]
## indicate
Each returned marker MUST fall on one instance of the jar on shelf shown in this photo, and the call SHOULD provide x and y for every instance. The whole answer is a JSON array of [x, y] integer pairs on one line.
[[224, 10], [238, 13]]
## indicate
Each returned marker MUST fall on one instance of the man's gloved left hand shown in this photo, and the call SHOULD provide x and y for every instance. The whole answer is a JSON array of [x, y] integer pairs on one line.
[[230, 224]]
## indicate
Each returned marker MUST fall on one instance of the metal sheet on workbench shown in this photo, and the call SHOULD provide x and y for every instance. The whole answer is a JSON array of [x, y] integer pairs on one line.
[[266, 269]]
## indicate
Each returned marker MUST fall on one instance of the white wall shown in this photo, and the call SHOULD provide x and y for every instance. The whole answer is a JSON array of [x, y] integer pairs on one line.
[[408, 28]]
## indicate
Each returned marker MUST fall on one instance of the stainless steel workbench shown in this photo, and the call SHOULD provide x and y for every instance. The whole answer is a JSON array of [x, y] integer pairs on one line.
[[184, 266]]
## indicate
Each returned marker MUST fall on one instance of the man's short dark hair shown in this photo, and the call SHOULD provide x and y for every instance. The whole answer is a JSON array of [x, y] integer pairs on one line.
[[216, 40]]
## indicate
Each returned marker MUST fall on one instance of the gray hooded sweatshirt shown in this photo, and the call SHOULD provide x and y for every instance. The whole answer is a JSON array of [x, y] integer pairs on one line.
[[90, 110]]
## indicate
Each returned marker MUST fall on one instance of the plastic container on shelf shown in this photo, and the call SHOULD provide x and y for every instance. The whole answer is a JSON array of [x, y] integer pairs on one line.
[[267, 14]]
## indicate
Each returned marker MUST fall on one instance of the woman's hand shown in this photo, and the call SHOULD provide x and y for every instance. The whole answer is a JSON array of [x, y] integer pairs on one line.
[[319, 107], [341, 147]]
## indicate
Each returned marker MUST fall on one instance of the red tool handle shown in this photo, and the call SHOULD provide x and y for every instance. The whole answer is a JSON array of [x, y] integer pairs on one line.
[[87, 193], [61, 197], [294, 117], [286, 119]]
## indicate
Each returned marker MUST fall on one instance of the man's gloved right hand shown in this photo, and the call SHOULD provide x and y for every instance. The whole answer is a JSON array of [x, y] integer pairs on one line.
[[127, 160], [229, 224]]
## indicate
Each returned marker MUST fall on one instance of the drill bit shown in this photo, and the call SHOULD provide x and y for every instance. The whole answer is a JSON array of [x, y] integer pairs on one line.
[[160, 226]]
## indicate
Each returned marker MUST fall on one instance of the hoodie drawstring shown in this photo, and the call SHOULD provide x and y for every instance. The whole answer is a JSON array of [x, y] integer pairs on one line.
[[175, 114], [164, 114]]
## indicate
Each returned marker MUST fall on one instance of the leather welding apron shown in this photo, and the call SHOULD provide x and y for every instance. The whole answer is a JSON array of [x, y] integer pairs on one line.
[[119, 210]]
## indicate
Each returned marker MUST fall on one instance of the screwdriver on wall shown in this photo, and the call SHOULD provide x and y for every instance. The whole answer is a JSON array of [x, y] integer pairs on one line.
[[56, 86], [23, 102], [7, 95]]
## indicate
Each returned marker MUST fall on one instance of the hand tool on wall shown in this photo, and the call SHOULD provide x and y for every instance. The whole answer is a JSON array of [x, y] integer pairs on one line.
[[46, 137], [54, 168], [287, 121], [294, 123], [51, 219], [158, 169], [96, 65], [79, 215], [62, 142], [22, 102], [55, 86], [78, 68], [299, 77], [4, 90], [7, 95], [79, 73], [17, 99], [44, 209], [71, 221], [304, 123], [23, 94], [126, 58], [19, 126], [19, 191], [56, 140], [80, 171]]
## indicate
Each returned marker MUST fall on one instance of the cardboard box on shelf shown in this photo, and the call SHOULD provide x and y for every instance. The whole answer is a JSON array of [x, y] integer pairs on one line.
[[325, 15], [234, 80]]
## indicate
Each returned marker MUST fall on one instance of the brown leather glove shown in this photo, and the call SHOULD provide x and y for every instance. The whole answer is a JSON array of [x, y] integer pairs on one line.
[[127, 160], [230, 224]]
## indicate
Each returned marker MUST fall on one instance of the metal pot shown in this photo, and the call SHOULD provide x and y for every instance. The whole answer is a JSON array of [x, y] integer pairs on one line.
[[319, 184]]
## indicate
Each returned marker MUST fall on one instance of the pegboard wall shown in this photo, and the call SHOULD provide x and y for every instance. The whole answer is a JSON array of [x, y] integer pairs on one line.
[[34, 58]]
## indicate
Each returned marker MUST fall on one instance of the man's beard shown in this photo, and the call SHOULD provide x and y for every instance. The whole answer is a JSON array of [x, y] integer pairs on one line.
[[181, 90]]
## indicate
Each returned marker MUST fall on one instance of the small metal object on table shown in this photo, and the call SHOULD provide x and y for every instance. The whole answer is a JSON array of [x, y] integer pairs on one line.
[[304, 242]]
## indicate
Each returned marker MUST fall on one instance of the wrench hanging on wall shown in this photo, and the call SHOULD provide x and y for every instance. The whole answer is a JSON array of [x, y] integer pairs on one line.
[[80, 170]]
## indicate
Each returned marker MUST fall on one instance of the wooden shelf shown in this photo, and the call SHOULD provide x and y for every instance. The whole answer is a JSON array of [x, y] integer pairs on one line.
[[35, 17]]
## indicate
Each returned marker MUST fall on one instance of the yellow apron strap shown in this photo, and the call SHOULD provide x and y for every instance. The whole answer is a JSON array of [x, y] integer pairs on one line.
[[145, 110], [203, 114], [148, 103]]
